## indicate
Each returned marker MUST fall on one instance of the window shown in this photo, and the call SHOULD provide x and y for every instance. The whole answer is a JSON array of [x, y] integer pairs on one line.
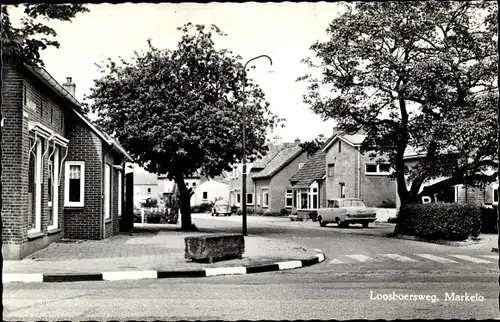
[[382, 168], [35, 177], [53, 187], [265, 197], [330, 169], [107, 191], [313, 198], [340, 146], [51, 114], [495, 195], [120, 192], [205, 195], [307, 198], [249, 198], [342, 190], [194, 184], [74, 183], [289, 198], [149, 191], [238, 198], [301, 165]]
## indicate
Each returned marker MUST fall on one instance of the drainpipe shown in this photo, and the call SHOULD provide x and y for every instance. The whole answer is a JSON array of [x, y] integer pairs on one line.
[[359, 172], [103, 165]]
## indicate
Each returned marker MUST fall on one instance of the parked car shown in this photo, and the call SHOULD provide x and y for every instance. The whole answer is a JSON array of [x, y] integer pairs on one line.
[[346, 211], [221, 207]]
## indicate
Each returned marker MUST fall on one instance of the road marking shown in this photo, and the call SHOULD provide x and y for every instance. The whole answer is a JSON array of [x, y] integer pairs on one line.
[[321, 257], [491, 256], [290, 265], [361, 258], [436, 258], [336, 261], [400, 258], [27, 278], [225, 271], [128, 275], [472, 259]]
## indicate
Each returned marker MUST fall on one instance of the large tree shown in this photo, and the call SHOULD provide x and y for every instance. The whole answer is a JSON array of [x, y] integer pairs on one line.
[[413, 74], [179, 111], [24, 43]]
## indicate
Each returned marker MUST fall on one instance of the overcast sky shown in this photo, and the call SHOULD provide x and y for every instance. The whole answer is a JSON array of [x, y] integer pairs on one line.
[[284, 31]]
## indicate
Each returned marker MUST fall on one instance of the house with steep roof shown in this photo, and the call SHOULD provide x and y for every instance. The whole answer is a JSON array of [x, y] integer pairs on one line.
[[210, 190], [62, 175], [268, 186]]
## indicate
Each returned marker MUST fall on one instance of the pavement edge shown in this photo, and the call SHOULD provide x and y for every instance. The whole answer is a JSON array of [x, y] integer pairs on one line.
[[153, 274]]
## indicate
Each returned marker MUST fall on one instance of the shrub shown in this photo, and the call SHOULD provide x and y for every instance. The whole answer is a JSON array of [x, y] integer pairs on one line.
[[234, 209], [137, 216], [449, 221], [259, 212], [489, 220], [284, 212], [154, 217], [392, 220], [150, 203], [387, 203], [202, 208]]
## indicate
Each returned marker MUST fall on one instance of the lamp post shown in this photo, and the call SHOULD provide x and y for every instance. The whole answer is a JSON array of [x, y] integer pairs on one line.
[[244, 157]]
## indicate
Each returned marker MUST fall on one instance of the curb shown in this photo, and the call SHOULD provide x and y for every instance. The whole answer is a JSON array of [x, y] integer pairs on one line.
[[153, 274], [437, 241]]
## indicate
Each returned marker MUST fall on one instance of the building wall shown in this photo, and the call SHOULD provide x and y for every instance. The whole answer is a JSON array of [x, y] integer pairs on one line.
[[86, 222], [280, 182], [258, 196], [376, 190], [141, 190], [344, 170], [322, 193], [214, 189], [235, 187], [46, 109]]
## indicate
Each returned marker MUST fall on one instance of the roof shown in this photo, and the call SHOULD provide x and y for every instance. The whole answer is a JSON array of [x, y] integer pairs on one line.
[[262, 162], [314, 169], [351, 139], [282, 158], [145, 179], [59, 90]]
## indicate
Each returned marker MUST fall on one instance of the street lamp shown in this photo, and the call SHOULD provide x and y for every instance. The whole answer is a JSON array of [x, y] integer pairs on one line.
[[244, 157]]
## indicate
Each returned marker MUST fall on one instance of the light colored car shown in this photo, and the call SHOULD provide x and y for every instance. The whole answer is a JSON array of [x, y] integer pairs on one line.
[[221, 207], [346, 211]]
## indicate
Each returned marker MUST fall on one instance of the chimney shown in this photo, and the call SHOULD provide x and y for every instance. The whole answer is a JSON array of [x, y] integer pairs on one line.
[[70, 86], [277, 140], [297, 142]]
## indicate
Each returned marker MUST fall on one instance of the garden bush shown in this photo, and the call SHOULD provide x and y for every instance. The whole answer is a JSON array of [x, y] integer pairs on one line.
[[284, 212], [449, 221], [154, 217], [392, 220], [137, 216], [489, 220]]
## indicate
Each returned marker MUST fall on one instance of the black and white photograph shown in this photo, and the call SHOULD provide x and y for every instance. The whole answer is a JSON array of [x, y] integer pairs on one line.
[[165, 161]]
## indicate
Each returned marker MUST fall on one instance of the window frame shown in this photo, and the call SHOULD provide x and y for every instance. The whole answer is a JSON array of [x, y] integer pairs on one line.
[[288, 196], [265, 201], [204, 195], [248, 202], [377, 171], [38, 177], [493, 194], [80, 203], [54, 202], [108, 195], [120, 192], [330, 166]]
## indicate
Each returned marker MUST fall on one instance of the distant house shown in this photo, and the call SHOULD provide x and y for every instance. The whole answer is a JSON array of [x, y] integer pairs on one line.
[[62, 175], [268, 186], [146, 185], [209, 190]]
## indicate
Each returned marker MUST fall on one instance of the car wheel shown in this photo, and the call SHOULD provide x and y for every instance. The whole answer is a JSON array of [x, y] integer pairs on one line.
[[339, 223], [365, 224], [321, 222]]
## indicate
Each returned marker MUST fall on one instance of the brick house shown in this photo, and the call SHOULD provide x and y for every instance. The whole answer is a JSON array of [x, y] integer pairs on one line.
[[340, 170], [268, 185], [62, 176]]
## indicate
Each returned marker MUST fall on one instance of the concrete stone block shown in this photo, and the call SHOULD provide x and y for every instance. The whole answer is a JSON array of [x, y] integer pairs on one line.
[[214, 247]]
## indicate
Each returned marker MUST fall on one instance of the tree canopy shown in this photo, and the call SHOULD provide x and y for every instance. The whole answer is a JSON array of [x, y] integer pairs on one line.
[[179, 111], [23, 44], [314, 145], [413, 74]]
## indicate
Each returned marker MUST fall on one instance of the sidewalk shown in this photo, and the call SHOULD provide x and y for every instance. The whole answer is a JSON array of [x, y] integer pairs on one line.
[[155, 247]]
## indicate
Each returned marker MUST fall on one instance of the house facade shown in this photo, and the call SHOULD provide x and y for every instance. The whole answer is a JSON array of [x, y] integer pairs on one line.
[[268, 185], [210, 190], [62, 176]]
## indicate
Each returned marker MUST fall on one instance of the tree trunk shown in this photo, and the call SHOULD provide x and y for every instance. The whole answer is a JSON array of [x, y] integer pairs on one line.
[[185, 203]]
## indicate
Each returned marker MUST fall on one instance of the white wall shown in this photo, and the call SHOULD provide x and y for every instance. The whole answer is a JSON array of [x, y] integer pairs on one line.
[[214, 190]]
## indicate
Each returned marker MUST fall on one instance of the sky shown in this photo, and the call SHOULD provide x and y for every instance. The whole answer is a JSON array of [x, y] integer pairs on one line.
[[283, 31]]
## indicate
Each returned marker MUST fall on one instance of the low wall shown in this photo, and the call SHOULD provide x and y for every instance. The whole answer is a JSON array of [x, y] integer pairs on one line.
[[383, 214]]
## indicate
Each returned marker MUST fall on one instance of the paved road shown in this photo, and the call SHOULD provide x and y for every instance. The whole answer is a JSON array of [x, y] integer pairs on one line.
[[352, 283]]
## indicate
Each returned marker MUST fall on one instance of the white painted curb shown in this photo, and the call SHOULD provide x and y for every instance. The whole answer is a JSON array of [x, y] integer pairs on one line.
[[321, 257], [225, 271], [132, 275], [27, 278], [290, 265]]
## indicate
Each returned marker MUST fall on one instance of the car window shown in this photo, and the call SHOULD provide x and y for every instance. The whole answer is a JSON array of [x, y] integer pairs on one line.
[[336, 204]]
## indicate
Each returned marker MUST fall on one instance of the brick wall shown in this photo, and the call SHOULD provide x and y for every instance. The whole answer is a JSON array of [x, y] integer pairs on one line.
[[85, 222], [376, 190], [280, 182], [47, 109], [259, 184]]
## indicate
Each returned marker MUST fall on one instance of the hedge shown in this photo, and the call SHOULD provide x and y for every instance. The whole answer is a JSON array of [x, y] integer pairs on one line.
[[432, 221], [489, 220], [202, 208]]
